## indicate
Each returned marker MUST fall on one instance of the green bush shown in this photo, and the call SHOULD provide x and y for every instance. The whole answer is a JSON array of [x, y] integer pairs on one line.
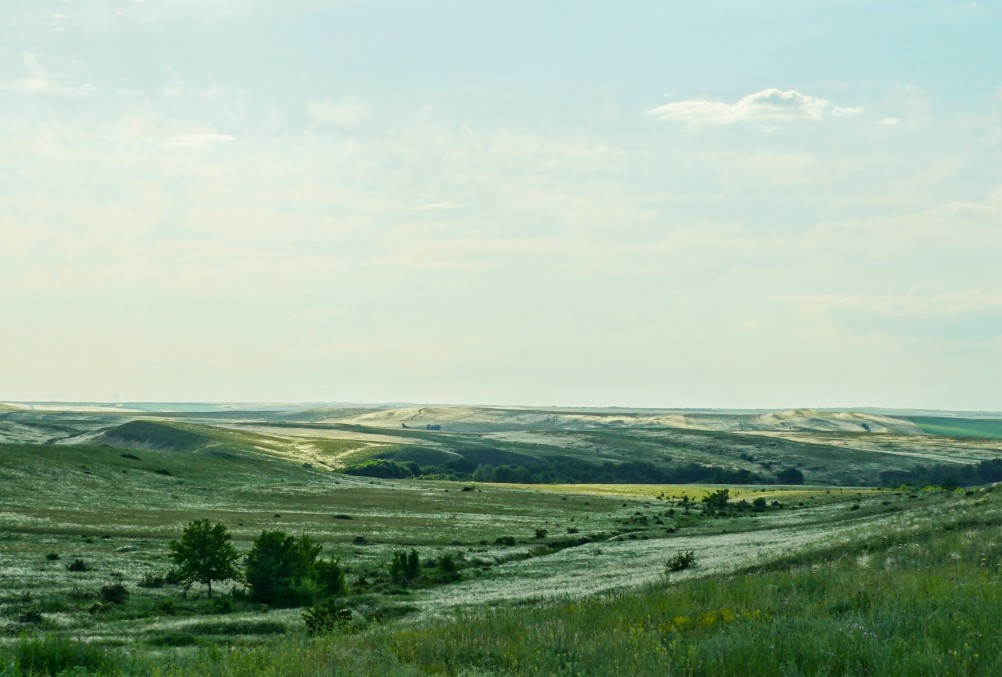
[[114, 593], [405, 567], [77, 565], [326, 617], [281, 569], [682, 560], [152, 580]]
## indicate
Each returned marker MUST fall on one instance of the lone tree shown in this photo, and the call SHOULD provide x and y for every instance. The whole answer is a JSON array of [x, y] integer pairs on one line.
[[205, 554]]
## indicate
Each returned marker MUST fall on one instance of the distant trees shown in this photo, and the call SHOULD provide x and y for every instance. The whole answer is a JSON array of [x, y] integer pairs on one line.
[[790, 476], [204, 554], [385, 468]]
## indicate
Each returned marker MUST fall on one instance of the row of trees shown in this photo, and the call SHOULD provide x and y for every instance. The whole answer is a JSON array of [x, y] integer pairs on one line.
[[572, 471]]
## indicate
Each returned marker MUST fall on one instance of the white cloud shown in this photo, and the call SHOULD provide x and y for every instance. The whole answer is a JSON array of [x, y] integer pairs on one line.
[[890, 122], [916, 303], [45, 78], [847, 111], [346, 112], [197, 140], [769, 105]]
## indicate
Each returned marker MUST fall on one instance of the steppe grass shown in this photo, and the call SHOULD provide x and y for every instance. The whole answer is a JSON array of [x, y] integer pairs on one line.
[[923, 601]]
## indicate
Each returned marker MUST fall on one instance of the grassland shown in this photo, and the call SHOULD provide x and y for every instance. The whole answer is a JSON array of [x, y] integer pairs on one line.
[[554, 579], [982, 428]]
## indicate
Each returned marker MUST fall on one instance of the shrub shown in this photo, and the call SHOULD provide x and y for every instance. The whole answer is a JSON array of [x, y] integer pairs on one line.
[[114, 593], [77, 565], [52, 556], [280, 569], [32, 616], [405, 567], [222, 605], [682, 560], [326, 617], [446, 568], [504, 540], [167, 607], [152, 580], [541, 533]]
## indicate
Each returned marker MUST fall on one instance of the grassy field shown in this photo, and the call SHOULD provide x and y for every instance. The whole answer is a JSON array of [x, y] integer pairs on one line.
[[984, 428], [552, 579]]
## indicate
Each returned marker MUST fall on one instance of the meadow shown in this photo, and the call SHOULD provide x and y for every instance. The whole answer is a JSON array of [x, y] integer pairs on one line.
[[819, 578]]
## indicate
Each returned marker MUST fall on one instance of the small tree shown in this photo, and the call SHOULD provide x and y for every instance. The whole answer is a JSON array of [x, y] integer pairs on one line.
[[718, 499], [204, 554]]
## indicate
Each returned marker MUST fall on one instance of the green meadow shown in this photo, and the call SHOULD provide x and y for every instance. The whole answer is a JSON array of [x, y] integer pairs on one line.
[[842, 574]]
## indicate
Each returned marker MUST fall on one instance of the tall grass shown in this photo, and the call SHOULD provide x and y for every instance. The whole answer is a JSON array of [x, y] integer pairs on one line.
[[928, 602]]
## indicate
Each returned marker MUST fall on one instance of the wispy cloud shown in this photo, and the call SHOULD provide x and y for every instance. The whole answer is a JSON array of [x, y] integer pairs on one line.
[[43, 78], [346, 112], [921, 303], [767, 106], [202, 140]]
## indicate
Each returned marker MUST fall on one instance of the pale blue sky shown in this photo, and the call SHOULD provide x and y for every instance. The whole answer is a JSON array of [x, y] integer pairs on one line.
[[645, 203]]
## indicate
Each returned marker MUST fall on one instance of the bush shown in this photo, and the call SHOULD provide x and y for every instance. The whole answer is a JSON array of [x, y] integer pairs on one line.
[[52, 556], [326, 617], [280, 569], [152, 580], [405, 567], [446, 569], [114, 593], [32, 616], [52, 655], [541, 533], [683, 559], [77, 565]]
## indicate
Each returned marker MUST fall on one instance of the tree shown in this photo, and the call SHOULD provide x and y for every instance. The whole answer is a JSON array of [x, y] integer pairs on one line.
[[204, 554], [718, 499], [283, 570], [790, 476]]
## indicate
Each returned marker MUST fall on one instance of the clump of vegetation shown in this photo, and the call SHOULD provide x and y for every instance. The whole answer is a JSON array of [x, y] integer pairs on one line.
[[405, 567], [52, 556], [114, 593], [284, 571], [681, 560], [327, 616], [78, 565], [152, 580]]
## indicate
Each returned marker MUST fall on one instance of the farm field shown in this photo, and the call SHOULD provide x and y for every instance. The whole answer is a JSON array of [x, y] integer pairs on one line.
[[111, 490]]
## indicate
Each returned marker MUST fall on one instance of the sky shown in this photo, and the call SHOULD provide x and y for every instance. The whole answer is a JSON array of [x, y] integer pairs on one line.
[[657, 204]]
